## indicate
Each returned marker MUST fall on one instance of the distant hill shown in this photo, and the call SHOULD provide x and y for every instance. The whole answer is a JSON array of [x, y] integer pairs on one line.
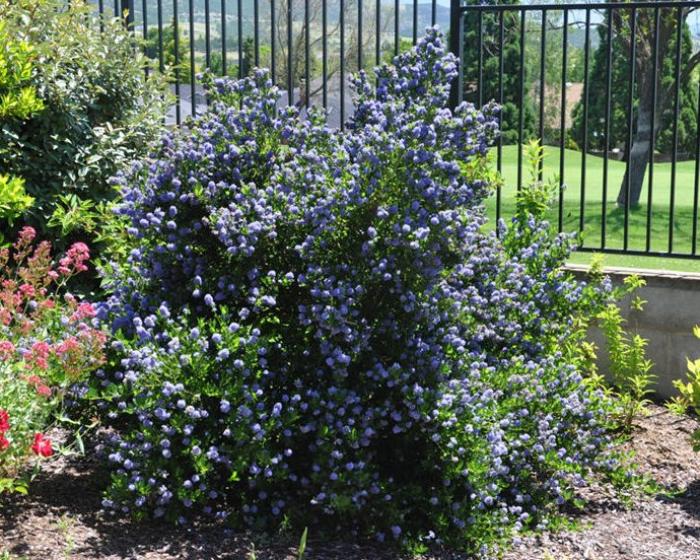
[[424, 14]]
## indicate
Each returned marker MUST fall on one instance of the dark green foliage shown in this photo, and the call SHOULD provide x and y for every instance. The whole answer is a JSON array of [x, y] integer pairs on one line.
[[619, 116], [176, 60], [99, 110], [512, 103]]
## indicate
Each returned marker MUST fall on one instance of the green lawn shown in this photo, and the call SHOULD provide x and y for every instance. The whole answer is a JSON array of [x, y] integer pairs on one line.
[[614, 221]]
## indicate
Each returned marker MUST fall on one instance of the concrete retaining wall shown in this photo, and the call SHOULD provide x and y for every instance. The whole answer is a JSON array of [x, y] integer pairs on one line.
[[671, 311]]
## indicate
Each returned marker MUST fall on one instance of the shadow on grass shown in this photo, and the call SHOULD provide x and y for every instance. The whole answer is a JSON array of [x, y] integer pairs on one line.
[[659, 230]]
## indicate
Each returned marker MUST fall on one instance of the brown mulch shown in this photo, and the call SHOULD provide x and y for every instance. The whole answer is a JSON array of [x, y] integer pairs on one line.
[[61, 518]]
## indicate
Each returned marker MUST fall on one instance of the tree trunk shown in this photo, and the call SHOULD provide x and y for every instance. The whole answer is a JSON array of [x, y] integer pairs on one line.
[[638, 158]]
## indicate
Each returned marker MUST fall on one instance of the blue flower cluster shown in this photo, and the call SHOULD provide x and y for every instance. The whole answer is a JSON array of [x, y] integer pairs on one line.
[[313, 327]]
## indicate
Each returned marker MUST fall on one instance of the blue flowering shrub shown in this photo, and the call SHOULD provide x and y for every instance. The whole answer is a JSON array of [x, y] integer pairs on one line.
[[313, 327]]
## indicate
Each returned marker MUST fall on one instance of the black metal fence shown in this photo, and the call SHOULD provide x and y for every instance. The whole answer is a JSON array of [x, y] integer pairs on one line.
[[310, 46], [610, 90]]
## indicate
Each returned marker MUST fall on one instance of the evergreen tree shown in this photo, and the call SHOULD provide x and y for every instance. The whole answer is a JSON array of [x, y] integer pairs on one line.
[[181, 62], [491, 47]]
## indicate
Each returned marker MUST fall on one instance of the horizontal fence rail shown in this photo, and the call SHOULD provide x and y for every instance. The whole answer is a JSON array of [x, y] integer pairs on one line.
[[609, 90]]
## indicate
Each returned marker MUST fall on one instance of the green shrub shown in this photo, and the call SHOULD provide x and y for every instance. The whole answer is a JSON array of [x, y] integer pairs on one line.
[[18, 101], [689, 389], [630, 369], [99, 109]]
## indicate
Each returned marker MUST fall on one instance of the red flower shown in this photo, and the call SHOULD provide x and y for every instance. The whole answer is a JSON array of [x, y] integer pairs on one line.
[[42, 445], [4, 444], [4, 422]]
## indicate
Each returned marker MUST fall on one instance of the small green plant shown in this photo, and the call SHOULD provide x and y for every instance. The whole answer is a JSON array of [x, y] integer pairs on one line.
[[18, 97], [14, 200], [536, 198], [630, 369], [302, 544], [689, 389], [7, 555], [65, 527]]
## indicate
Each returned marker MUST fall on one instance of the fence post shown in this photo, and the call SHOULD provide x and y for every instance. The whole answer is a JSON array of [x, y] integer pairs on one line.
[[128, 7], [455, 47]]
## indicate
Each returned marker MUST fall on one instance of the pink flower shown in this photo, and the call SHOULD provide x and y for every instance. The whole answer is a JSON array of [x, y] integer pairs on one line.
[[4, 444], [43, 390], [34, 380], [7, 349], [74, 259], [85, 311], [27, 290], [68, 345], [42, 445], [26, 235]]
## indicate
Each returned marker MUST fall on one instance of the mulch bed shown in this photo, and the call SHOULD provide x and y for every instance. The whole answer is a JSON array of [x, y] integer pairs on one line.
[[61, 518]]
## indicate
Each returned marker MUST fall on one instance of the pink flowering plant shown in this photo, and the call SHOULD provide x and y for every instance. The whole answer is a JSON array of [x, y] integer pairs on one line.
[[47, 345]]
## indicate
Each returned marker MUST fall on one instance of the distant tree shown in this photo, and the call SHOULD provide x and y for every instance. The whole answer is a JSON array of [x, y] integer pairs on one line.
[[512, 102], [298, 45], [247, 61], [181, 62], [662, 129]]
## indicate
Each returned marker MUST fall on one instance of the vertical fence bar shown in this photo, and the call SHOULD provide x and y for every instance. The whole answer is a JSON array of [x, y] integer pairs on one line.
[[128, 7], [396, 27], [676, 111], [415, 21], [307, 52], [342, 64], [223, 41], [608, 101], [433, 12], [176, 45], [193, 90], [652, 140], [696, 186], [460, 72], [207, 34], [562, 126], [101, 11], [324, 54], [586, 55], [499, 149], [456, 47], [273, 45], [378, 34], [630, 125], [543, 85], [359, 35], [480, 58], [521, 112], [290, 53], [256, 31], [161, 64], [144, 9], [239, 25]]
